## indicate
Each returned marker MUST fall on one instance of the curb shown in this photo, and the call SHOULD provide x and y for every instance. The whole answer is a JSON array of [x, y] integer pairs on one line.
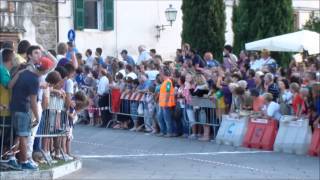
[[53, 173]]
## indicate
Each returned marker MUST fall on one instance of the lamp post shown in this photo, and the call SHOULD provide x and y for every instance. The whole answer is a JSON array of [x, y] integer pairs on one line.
[[171, 14]]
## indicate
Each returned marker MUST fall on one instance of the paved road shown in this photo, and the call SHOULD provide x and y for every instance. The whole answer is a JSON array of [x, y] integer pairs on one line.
[[117, 154]]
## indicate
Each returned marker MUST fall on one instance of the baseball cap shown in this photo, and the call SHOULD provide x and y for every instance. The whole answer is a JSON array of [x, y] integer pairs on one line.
[[44, 64]]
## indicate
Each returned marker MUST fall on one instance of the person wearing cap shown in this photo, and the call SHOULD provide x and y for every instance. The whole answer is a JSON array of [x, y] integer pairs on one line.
[[33, 65], [127, 58], [24, 100]]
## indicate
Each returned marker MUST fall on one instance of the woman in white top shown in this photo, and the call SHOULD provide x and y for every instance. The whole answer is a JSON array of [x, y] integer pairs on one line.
[[130, 73], [151, 72], [271, 109], [285, 97]]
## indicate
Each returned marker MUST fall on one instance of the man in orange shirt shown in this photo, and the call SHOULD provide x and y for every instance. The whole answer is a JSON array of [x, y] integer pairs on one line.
[[166, 104]]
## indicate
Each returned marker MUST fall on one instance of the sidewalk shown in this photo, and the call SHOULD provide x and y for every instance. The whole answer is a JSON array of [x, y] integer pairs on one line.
[[53, 173]]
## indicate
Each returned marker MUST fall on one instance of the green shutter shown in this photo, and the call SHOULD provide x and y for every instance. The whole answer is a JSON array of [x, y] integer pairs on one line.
[[78, 14], [108, 15]]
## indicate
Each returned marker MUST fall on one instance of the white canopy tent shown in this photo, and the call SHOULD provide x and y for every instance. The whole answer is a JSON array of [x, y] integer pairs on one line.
[[292, 42]]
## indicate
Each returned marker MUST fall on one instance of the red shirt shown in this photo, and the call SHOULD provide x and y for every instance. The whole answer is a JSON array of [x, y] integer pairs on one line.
[[258, 104], [296, 102]]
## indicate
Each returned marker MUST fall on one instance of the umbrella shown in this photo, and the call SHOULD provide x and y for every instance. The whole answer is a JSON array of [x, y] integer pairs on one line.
[[292, 42]]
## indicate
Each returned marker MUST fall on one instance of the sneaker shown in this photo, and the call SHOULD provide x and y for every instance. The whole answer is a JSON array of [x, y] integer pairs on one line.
[[154, 132], [68, 158], [133, 129], [159, 134], [29, 166], [49, 158], [13, 164], [58, 157], [33, 163], [192, 136]]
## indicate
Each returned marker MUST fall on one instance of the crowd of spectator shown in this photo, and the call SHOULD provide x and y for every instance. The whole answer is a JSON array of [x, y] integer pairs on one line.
[[155, 94]]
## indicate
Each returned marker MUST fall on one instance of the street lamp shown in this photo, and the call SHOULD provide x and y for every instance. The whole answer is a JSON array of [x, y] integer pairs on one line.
[[171, 14]]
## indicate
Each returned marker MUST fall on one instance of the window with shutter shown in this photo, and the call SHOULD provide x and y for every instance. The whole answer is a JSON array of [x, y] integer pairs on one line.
[[91, 14], [94, 14], [108, 15], [79, 14]]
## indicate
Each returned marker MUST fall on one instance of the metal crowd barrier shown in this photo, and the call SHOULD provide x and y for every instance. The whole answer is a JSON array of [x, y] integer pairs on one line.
[[208, 106], [124, 105], [6, 133], [53, 124]]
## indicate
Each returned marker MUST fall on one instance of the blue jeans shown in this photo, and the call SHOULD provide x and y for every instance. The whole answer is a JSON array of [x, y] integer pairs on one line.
[[184, 121], [166, 123], [134, 110], [147, 116], [21, 123]]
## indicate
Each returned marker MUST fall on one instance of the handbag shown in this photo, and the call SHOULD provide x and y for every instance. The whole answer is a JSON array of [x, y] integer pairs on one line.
[[140, 109]]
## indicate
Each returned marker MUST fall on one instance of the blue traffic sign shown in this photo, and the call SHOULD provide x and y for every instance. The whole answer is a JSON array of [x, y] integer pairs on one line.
[[71, 35]]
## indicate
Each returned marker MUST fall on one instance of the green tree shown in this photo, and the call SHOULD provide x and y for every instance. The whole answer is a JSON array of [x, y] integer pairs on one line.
[[236, 33], [242, 17], [204, 25], [261, 19], [313, 24]]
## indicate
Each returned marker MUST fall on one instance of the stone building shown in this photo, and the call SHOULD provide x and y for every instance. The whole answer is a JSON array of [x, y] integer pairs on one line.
[[32, 20]]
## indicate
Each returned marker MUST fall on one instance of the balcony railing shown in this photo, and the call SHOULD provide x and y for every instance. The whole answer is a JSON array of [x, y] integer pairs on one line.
[[11, 17]]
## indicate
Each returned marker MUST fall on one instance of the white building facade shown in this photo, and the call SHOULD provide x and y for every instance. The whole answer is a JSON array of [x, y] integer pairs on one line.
[[114, 25]]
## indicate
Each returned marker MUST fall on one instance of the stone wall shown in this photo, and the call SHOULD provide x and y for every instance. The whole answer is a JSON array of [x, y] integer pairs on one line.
[[45, 21]]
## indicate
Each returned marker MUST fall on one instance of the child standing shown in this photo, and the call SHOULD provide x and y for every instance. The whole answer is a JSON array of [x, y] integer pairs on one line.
[[54, 113]]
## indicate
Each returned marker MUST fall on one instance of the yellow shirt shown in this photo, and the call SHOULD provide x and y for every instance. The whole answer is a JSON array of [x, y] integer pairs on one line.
[[19, 59], [4, 100]]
